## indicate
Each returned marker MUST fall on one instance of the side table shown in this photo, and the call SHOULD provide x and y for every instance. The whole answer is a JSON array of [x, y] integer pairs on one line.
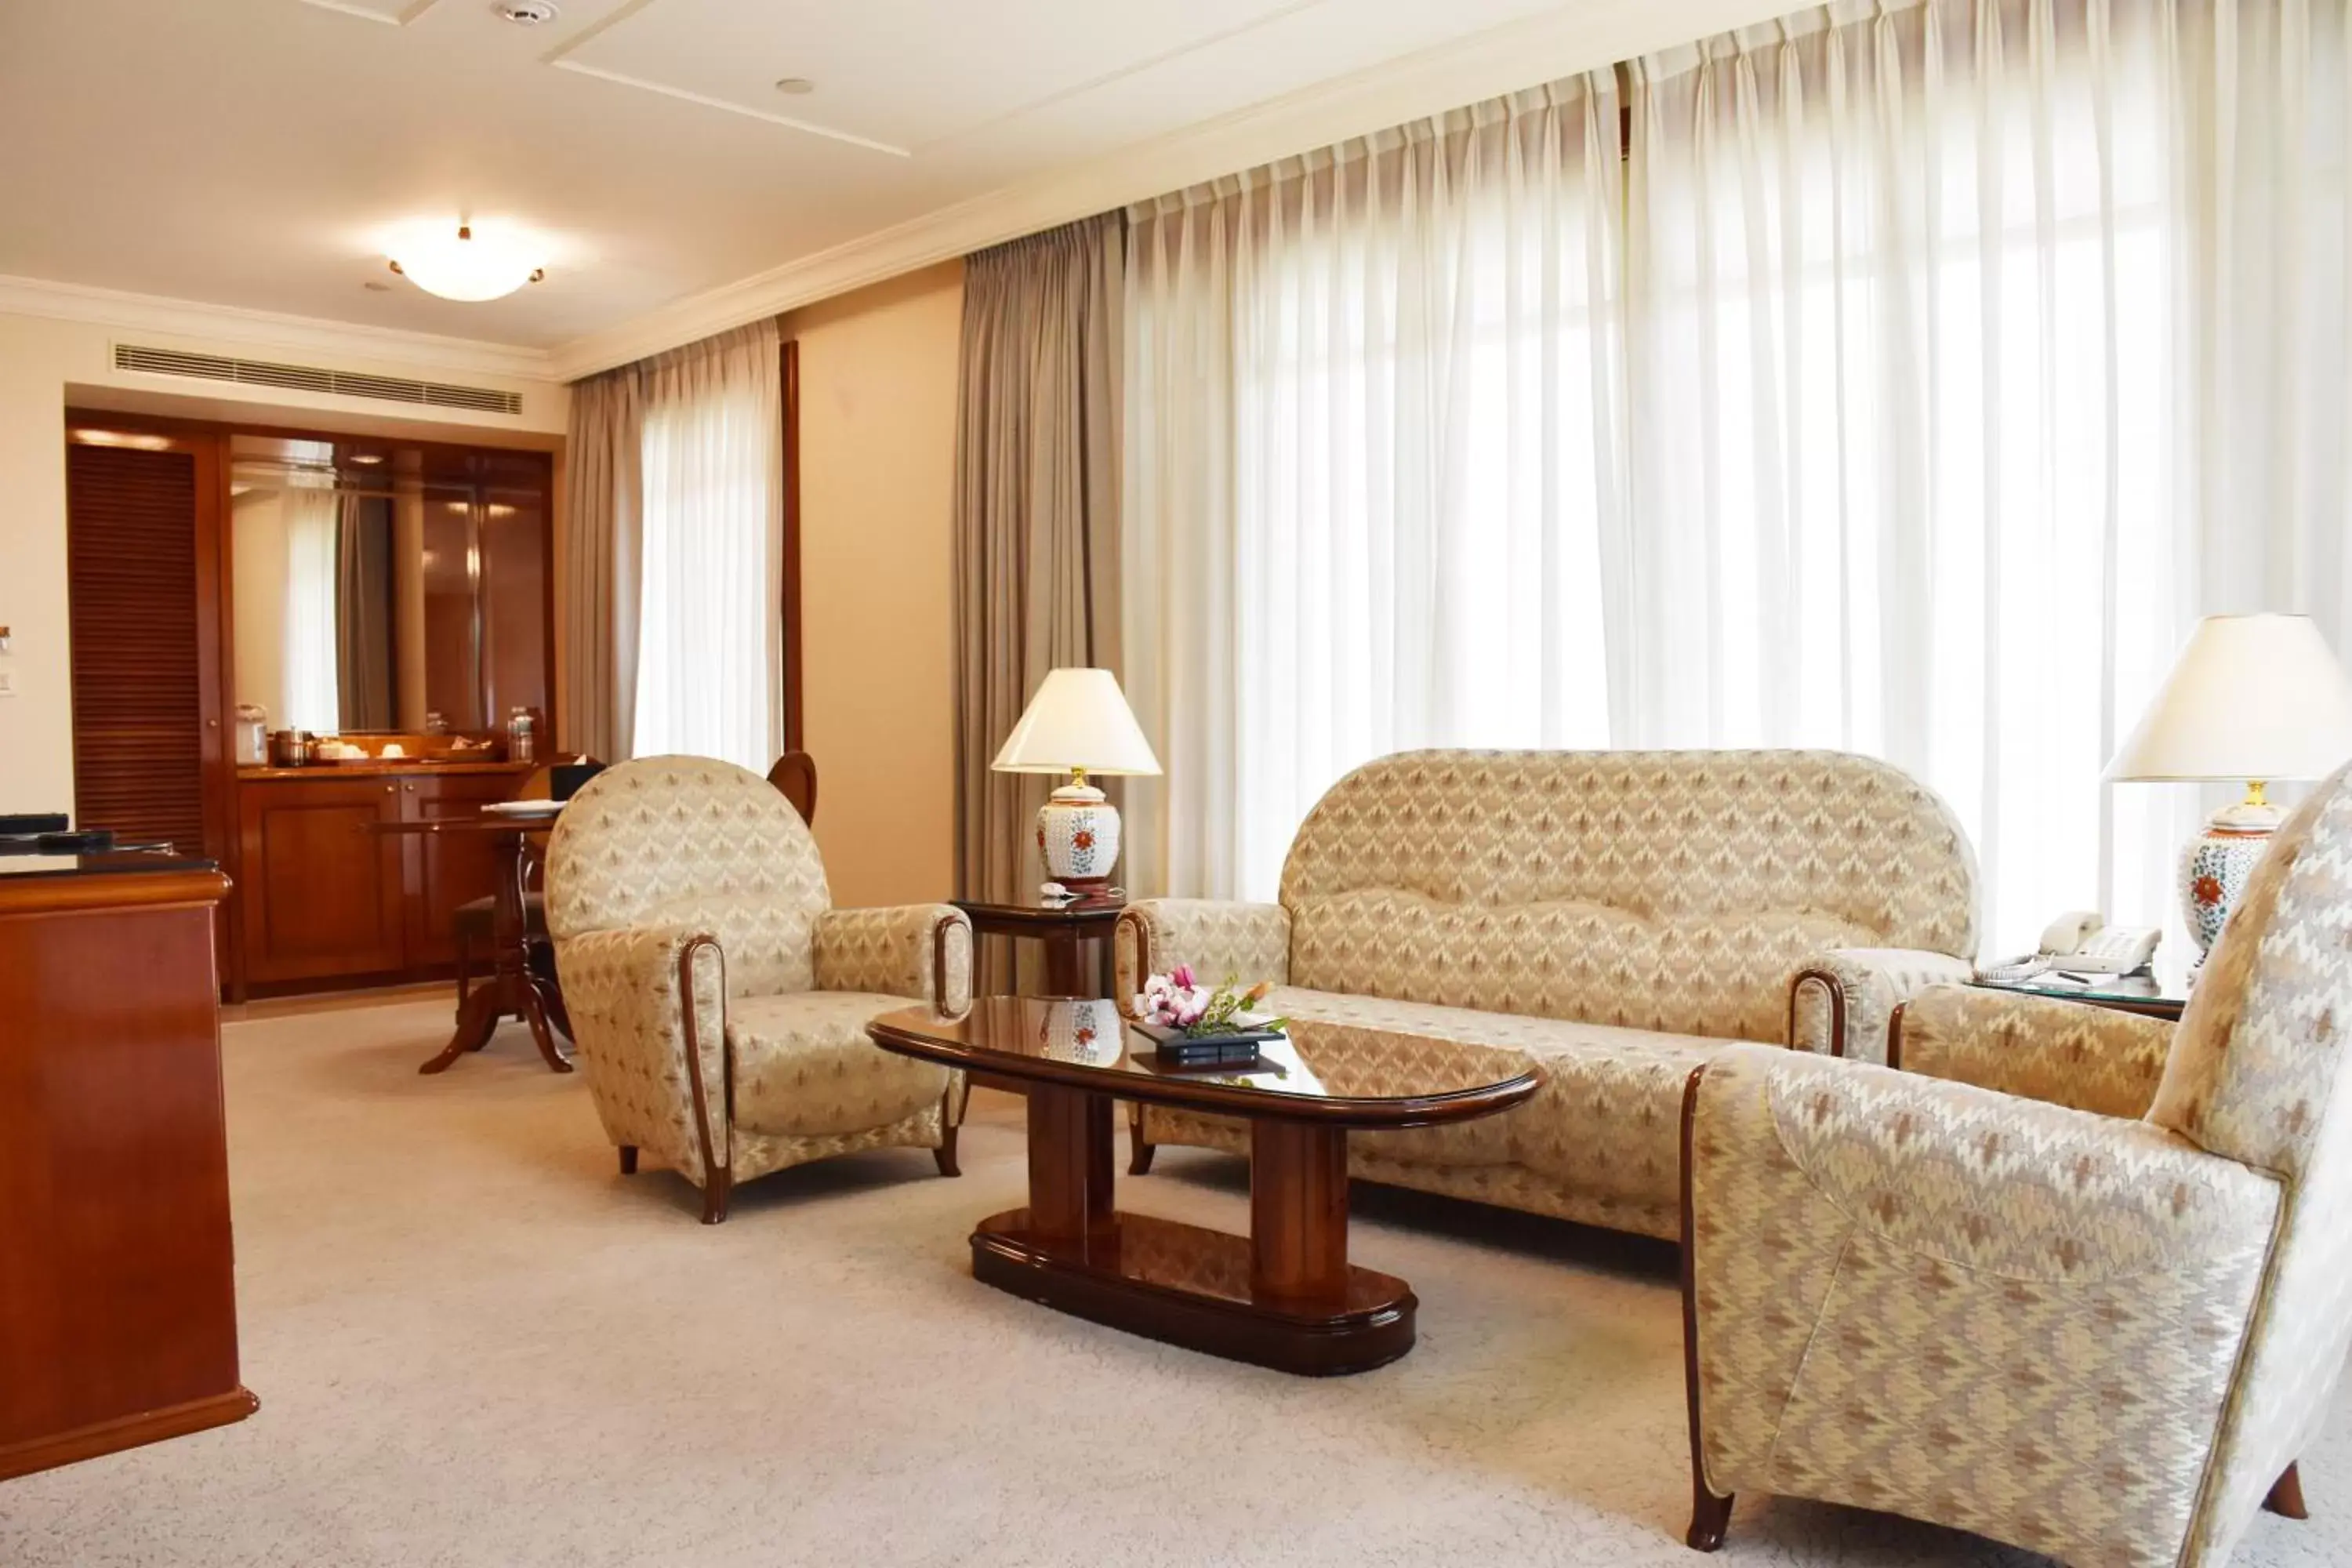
[[1065, 929], [2154, 995]]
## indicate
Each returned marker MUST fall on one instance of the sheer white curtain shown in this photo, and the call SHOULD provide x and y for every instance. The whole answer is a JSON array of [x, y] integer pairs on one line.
[[313, 694], [1964, 352], [710, 628], [1371, 461]]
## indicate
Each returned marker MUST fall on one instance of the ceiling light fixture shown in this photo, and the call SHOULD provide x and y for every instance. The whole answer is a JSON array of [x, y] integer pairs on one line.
[[369, 457], [463, 265], [796, 85]]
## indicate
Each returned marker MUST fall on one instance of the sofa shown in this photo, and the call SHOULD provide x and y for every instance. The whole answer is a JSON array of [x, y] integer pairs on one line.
[[1618, 917], [720, 1000], [2072, 1279]]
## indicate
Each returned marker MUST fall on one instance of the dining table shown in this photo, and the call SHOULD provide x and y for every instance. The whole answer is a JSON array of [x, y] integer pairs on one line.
[[522, 983]]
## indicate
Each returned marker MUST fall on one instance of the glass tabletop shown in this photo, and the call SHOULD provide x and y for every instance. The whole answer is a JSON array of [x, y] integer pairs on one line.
[[2160, 988], [1328, 1072]]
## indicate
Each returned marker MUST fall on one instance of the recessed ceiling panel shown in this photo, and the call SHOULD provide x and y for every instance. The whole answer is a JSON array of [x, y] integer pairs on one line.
[[904, 74]]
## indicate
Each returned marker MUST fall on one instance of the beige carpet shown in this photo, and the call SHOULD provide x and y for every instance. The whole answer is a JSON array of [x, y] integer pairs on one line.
[[475, 1342]]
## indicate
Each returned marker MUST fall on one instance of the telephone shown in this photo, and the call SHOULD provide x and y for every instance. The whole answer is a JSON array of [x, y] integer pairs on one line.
[[2081, 943]]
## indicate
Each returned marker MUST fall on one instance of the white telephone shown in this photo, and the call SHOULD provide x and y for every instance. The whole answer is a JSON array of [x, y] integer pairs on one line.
[[2081, 943]]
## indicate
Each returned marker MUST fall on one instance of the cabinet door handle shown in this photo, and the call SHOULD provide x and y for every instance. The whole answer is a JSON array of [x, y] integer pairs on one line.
[[410, 788], [387, 789]]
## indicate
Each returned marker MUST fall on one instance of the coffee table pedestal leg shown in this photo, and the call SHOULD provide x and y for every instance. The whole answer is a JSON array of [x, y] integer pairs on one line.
[[1284, 1297]]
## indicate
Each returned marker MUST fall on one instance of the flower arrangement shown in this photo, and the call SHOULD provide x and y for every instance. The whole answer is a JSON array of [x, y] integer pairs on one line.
[[1177, 1000]]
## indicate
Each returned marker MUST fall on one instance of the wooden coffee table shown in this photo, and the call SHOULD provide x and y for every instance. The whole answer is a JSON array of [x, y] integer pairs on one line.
[[1285, 1296]]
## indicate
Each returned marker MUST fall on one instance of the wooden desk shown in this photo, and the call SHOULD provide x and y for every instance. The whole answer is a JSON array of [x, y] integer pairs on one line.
[[118, 1309]]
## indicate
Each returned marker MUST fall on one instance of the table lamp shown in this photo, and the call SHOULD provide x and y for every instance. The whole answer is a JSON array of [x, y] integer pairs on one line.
[[2251, 700], [1078, 723]]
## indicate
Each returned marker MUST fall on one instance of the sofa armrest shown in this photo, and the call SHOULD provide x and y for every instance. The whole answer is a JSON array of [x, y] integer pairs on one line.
[[2041, 1047], [918, 950], [648, 1009], [1839, 999], [1218, 938], [1990, 1284]]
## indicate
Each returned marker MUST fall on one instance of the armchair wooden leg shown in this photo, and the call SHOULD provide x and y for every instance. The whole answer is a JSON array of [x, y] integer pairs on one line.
[[714, 1196], [2286, 1495], [1138, 1152], [1710, 1517], [628, 1159]]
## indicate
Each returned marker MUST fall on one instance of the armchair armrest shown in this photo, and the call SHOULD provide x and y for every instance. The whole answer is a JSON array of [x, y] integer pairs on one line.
[[2041, 1047], [648, 1010], [1841, 999], [1992, 1292], [1217, 937], [918, 950]]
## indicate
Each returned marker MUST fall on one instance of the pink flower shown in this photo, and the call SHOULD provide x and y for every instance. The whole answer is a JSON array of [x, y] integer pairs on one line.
[[1181, 977]]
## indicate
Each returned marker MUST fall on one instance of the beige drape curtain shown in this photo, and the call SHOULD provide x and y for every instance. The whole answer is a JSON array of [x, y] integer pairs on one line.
[[602, 560], [1036, 526]]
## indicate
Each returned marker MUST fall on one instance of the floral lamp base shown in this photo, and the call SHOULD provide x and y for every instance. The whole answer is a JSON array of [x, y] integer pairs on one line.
[[1077, 834], [2215, 864]]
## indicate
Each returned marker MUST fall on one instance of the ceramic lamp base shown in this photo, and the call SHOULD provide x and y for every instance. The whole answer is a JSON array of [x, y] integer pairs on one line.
[[2214, 867], [1077, 835]]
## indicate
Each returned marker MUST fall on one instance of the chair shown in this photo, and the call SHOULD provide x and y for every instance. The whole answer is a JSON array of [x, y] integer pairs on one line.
[[2100, 1339], [794, 773], [719, 1001]]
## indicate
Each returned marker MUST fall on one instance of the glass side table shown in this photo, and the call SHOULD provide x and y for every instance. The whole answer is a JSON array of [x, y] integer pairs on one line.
[[2158, 991]]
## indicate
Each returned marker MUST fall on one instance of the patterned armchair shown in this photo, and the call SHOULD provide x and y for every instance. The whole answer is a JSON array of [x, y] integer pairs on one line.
[[718, 1000], [2100, 1339]]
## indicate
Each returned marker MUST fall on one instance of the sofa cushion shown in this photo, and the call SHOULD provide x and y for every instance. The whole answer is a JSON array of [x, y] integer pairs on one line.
[[1722, 975], [1605, 1121], [802, 1065]]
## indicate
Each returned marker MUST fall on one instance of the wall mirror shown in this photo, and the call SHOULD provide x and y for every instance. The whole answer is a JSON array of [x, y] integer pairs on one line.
[[377, 586]]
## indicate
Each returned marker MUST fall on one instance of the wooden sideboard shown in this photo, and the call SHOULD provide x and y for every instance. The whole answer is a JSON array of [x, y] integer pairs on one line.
[[118, 1309], [325, 898]]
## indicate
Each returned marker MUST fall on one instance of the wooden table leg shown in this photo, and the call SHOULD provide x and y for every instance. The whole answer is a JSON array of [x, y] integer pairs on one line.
[[512, 990], [1298, 1215], [1069, 1164], [1062, 965]]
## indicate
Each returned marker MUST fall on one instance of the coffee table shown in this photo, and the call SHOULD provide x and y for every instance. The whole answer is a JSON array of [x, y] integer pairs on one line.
[[1285, 1296]]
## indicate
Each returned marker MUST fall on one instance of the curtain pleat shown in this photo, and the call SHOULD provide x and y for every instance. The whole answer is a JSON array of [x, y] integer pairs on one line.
[[1037, 523], [603, 556]]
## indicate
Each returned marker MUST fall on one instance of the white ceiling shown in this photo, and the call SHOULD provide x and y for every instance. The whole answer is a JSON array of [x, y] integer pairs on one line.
[[246, 153]]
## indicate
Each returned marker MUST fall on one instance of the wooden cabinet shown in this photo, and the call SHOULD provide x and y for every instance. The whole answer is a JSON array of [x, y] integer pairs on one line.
[[327, 896]]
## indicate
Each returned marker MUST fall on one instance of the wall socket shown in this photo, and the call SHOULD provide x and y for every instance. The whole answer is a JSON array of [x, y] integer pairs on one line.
[[7, 684]]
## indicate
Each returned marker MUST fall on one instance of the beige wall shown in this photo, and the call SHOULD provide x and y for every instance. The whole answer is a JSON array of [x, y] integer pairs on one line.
[[45, 364], [878, 475]]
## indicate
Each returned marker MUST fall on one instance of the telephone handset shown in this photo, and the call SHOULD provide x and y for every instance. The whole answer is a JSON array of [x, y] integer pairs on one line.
[[2081, 943]]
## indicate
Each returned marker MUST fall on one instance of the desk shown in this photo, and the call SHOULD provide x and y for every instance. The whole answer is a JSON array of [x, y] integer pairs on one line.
[[516, 988], [1064, 929], [118, 1302]]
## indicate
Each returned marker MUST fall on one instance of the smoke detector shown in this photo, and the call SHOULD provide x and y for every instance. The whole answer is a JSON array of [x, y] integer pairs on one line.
[[527, 13]]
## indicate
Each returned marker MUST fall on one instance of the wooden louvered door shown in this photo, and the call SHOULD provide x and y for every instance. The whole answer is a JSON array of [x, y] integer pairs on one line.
[[142, 529]]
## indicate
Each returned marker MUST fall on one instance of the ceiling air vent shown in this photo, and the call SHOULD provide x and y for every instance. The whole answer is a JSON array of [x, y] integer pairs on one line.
[[308, 378]]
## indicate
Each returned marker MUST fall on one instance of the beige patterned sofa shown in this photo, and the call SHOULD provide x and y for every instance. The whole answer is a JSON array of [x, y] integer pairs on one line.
[[1617, 916], [2104, 1340], [719, 1001]]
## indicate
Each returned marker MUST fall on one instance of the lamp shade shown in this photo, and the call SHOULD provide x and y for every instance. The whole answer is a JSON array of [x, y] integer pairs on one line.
[[2250, 698], [1079, 719]]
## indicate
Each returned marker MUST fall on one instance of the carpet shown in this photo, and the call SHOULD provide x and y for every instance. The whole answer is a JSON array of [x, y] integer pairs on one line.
[[476, 1344]]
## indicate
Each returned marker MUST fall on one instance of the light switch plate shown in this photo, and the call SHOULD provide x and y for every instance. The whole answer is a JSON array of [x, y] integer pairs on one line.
[[7, 684]]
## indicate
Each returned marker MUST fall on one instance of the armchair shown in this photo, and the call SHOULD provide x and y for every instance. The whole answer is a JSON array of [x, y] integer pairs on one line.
[[2100, 1339], [718, 1002]]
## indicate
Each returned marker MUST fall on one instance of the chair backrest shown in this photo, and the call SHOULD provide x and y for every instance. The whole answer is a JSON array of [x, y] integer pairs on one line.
[[2259, 1074], [1662, 890], [691, 840], [795, 774]]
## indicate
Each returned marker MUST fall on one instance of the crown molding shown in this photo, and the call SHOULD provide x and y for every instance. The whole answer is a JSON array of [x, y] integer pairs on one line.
[[1584, 37], [307, 335]]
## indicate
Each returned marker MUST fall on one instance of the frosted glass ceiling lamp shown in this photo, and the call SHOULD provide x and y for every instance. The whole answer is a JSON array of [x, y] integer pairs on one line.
[[2253, 699], [461, 265]]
